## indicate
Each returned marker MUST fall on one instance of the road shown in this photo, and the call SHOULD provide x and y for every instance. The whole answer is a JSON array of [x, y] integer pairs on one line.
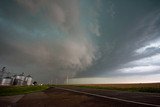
[[80, 97]]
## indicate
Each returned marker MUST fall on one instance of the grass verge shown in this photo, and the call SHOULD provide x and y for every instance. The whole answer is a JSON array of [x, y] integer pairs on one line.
[[15, 90], [132, 89]]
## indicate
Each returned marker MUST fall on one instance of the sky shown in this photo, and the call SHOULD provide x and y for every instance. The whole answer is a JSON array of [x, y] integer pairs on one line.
[[88, 41]]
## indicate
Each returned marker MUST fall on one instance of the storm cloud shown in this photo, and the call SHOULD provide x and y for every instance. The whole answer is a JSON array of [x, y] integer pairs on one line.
[[53, 39], [56, 44]]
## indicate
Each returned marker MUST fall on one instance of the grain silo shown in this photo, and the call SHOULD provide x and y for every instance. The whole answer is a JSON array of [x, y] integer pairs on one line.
[[19, 79], [6, 81], [28, 80]]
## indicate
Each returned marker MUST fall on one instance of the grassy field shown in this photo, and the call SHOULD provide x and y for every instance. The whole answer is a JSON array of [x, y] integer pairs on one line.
[[142, 87], [14, 90]]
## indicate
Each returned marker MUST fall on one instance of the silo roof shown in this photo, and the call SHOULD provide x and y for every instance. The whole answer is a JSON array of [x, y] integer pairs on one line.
[[29, 76], [21, 74]]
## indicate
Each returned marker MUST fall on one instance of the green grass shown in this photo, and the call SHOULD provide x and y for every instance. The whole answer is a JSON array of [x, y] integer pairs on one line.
[[15, 90], [135, 87], [132, 89]]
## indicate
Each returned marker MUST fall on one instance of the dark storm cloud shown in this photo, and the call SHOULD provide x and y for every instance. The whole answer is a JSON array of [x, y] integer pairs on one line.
[[121, 50], [52, 39], [46, 38]]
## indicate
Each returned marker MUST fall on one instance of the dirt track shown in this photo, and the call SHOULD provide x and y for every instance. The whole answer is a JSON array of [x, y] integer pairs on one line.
[[60, 98]]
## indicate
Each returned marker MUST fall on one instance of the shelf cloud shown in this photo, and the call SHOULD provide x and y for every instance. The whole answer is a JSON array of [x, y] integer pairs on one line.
[[53, 39]]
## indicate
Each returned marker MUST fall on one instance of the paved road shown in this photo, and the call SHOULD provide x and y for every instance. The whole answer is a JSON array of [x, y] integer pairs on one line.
[[139, 97], [56, 97]]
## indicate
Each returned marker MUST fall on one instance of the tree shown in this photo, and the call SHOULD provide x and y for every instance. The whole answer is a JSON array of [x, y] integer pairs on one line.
[[34, 83]]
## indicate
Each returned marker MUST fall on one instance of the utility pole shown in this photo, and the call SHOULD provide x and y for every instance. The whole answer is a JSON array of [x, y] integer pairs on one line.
[[67, 80]]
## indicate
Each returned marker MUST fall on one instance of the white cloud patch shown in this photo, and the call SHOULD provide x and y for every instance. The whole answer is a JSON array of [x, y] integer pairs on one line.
[[140, 69], [152, 60], [146, 54], [155, 44]]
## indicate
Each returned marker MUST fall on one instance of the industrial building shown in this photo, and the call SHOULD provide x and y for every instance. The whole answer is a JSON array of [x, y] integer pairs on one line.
[[7, 80]]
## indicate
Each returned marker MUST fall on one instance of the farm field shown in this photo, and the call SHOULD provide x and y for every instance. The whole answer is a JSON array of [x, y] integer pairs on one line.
[[137, 87], [145, 87]]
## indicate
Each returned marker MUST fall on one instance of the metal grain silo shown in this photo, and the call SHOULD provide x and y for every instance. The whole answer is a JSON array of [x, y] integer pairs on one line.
[[6, 81], [20, 79], [28, 80]]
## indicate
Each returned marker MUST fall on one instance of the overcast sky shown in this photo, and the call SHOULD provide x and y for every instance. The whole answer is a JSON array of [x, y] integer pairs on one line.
[[51, 39]]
